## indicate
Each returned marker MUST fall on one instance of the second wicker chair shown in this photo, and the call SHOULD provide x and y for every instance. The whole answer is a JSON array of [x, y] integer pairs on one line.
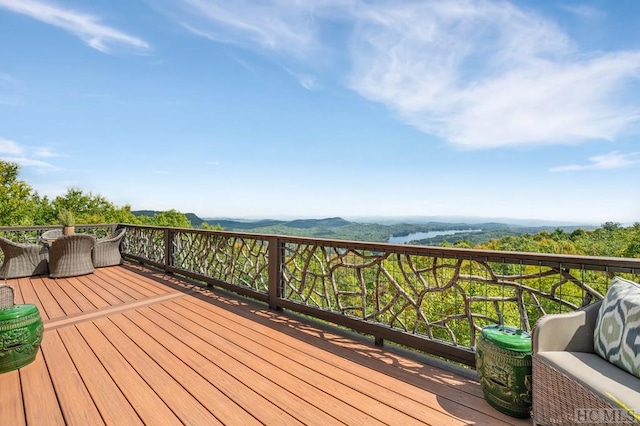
[[107, 250], [70, 255]]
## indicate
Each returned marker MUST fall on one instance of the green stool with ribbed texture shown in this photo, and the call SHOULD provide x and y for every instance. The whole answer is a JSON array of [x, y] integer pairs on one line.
[[503, 363], [21, 331]]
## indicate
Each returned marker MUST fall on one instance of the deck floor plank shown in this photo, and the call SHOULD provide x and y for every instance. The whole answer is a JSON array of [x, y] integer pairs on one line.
[[314, 373], [18, 286], [25, 287], [49, 302], [245, 394], [11, 408], [78, 297], [187, 408], [324, 361], [107, 396], [126, 289], [133, 345], [40, 401], [462, 397], [289, 402], [223, 407], [149, 406], [88, 292], [109, 292], [142, 286], [66, 303], [309, 390], [75, 400]]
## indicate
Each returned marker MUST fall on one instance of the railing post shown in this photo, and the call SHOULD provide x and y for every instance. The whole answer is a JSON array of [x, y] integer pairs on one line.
[[275, 258], [168, 249]]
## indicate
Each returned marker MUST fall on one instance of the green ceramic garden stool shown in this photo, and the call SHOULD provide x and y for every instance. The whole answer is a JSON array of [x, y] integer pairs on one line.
[[20, 336], [503, 363]]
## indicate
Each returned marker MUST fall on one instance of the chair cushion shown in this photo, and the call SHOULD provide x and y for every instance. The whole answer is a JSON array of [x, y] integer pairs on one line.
[[617, 329], [602, 378]]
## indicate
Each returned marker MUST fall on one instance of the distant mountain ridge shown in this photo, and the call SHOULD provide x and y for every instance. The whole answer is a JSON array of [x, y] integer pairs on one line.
[[342, 229]]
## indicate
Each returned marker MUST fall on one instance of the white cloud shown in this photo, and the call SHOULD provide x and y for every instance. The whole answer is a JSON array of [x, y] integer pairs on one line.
[[284, 26], [87, 27], [478, 74], [307, 81], [612, 160], [10, 147], [487, 74], [39, 166], [45, 152], [582, 10], [24, 156]]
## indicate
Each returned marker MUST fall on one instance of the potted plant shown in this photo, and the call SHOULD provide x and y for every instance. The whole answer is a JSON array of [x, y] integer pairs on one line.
[[67, 220]]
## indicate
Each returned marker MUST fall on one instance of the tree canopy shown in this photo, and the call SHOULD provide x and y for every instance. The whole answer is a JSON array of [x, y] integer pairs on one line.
[[20, 205]]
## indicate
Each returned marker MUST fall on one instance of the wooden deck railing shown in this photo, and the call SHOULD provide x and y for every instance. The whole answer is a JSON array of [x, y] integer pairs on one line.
[[431, 299]]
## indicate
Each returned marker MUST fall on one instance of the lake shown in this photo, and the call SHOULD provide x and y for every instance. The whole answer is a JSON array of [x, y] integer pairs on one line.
[[422, 235]]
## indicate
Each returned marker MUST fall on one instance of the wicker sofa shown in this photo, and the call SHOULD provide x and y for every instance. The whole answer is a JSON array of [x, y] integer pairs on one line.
[[571, 383]]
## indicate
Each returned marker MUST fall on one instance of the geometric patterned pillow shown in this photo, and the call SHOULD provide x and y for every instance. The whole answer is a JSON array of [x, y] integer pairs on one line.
[[617, 329]]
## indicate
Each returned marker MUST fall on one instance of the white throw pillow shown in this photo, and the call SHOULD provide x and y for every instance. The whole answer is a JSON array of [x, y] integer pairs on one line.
[[617, 330]]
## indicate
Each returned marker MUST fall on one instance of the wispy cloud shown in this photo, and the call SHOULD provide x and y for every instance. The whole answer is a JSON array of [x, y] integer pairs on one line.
[[283, 26], [39, 166], [478, 74], [582, 10], [24, 156], [307, 81], [87, 27], [10, 147], [45, 152], [487, 74], [212, 163], [612, 160]]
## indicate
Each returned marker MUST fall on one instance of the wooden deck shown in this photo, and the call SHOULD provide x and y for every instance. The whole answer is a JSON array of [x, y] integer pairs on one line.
[[128, 345]]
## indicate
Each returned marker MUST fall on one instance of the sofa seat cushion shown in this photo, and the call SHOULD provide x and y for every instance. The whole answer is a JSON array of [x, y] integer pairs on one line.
[[597, 375], [617, 328]]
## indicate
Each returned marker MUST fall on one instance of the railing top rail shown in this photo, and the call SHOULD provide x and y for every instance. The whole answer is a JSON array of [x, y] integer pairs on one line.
[[613, 264], [40, 227]]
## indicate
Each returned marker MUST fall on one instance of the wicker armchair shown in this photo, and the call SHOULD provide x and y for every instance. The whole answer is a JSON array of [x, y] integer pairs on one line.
[[107, 250], [23, 260], [70, 255]]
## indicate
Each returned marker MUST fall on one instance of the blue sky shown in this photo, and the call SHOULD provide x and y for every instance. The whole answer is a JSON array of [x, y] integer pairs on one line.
[[318, 108]]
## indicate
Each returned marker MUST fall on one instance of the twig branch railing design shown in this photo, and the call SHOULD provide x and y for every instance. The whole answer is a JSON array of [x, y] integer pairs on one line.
[[429, 298], [32, 234]]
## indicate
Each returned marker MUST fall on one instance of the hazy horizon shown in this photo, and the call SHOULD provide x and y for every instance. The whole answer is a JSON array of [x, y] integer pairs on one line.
[[413, 219]]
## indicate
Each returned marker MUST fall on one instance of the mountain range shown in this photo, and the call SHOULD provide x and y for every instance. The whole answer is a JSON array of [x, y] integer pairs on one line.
[[375, 231]]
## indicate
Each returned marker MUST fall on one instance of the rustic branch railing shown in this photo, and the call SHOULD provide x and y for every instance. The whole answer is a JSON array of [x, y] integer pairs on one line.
[[32, 234], [429, 298]]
